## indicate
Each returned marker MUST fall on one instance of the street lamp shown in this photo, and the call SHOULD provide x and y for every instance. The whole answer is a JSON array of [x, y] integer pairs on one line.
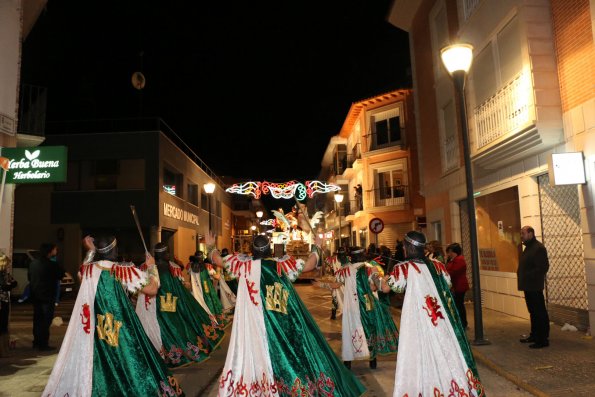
[[259, 215], [457, 60], [339, 200], [209, 189], [253, 228]]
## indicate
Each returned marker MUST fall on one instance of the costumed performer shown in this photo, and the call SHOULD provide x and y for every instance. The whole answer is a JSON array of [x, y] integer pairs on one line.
[[106, 351], [434, 355], [186, 334], [276, 347]]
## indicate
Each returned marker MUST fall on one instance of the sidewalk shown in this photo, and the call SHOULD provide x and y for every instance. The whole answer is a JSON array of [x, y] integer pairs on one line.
[[565, 368]]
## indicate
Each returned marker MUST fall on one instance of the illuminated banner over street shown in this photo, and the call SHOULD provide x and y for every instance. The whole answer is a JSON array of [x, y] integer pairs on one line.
[[42, 164]]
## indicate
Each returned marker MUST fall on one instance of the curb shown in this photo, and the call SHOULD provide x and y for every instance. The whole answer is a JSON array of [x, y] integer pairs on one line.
[[507, 375]]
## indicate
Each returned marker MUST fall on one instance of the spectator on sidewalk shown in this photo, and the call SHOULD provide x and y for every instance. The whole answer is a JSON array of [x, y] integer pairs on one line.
[[7, 283], [44, 275], [533, 267], [457, 269]]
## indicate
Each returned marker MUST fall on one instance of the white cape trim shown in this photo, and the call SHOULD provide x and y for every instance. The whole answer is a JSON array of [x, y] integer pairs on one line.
[[248, 359]]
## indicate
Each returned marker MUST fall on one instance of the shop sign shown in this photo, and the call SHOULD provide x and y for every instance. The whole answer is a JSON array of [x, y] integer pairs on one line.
[[174, 212], [42, 164]]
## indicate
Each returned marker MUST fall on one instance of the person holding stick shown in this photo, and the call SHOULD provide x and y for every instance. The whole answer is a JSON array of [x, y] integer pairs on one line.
[[106, 351]]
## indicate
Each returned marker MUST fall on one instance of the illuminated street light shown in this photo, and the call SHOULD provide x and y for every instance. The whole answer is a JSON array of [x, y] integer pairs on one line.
[[259, 214], [457, 60]]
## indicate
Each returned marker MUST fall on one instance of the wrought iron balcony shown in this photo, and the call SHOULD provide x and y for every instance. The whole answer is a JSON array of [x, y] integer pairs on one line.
[[389, 196]]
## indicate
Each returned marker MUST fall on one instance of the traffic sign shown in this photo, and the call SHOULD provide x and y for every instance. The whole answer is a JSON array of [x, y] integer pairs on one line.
[[376, 225]]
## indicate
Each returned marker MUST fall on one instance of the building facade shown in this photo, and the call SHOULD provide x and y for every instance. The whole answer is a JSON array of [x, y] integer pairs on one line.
[[109, 172], [529, 94], [374, 160]]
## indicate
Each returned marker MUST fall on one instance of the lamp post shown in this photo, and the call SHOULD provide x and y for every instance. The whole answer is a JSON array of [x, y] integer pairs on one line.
[[457, 60], [209, 189], [253, 228], [339, 200], [259, 215]]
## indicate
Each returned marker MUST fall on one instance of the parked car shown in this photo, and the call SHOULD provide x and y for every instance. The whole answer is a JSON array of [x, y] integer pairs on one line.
[[21, 258]]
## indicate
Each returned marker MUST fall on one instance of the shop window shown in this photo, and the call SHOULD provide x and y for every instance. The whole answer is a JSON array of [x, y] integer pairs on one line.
[[498, 228], [172, 182], [193, 194], [132, 174]]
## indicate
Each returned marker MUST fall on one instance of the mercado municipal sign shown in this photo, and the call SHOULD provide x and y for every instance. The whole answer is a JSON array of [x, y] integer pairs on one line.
[[41, 164]]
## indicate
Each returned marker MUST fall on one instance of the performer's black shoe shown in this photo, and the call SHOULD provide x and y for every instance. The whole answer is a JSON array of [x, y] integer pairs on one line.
[[333, 314], [539, 345], [527, 339], [347, 364], [373, 363]]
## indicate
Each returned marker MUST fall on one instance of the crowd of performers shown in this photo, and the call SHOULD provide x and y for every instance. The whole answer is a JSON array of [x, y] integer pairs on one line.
[[131, 325]]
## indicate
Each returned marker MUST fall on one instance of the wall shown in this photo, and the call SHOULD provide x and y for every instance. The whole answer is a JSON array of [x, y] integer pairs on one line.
[[10, 63], [574, 30]]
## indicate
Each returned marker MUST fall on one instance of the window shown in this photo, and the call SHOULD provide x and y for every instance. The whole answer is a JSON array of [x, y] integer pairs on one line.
[[498, 63], [439, 33], [391, 187], [106, 174], [193, 194], [172, 182], [72, 178], [450, 143], [204, 201], [385, 126]]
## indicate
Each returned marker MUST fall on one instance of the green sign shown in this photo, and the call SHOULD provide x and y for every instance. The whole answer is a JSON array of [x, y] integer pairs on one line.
[[41, 164]]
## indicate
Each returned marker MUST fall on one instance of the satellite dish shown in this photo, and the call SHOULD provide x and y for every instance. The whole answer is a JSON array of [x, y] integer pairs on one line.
[[138, 80]]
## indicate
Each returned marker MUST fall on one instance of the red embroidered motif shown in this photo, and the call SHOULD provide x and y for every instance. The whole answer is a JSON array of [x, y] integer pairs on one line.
[[86, 318], [147, 302], [439, 266], [475, 384], [287, 265], [123, 272], [235, 265], [357, 341], [433, 309], [252, 291], [343, 272], [456, 390], [321, 386]]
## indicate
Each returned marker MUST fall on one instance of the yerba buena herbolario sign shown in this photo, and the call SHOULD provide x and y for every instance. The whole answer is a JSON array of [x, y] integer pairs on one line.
[[42, 164]]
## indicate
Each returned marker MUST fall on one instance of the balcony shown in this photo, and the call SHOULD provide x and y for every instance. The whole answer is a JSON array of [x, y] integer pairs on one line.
[[389, 196], [515, 123], [509, 110]]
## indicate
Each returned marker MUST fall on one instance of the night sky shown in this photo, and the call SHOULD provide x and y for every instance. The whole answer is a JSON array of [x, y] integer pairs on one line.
[[266, 83]]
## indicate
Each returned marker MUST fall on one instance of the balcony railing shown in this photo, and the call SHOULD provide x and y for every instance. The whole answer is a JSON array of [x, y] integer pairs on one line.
[[342, 164], [390, 195], [508, 110], [392, 139], [451, 153]]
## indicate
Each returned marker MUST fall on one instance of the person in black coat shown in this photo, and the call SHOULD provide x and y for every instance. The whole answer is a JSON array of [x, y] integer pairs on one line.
[[44, 272], [533, 267]]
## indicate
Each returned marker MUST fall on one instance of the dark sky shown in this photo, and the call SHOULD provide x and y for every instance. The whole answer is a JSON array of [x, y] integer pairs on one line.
[[256, 88]]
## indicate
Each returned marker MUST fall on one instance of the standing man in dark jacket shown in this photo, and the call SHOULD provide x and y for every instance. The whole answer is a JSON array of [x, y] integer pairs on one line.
[[533, 267], [44, 272]]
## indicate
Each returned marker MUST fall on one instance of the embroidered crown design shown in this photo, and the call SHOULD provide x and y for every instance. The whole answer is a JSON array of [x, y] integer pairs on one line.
[[168, 302]]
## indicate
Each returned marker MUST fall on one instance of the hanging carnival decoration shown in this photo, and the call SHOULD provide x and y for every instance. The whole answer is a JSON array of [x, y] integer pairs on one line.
[[285, 190], [269, 222], [247, 188]]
